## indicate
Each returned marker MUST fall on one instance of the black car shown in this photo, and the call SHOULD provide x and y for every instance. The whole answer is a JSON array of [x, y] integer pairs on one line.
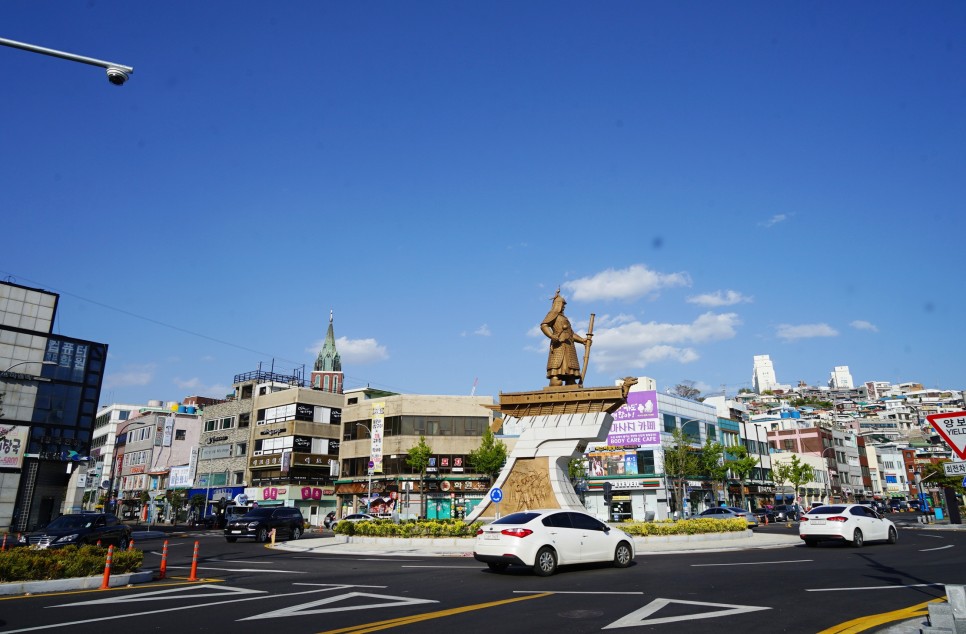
[[786, 512], [764, 515], [77, 529], [257, 523]]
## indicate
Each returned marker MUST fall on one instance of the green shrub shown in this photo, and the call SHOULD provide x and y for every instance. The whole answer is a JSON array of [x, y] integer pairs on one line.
[[684, 527], [420, 528], [29, 564]]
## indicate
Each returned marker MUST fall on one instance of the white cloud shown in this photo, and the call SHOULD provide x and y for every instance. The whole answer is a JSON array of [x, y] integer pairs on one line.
[[187, 384], [861, 324], [483, 331], [360, 351], [130, 375], [630, 283], [776, 219], [719, 298], [629, 346], [789, 332]]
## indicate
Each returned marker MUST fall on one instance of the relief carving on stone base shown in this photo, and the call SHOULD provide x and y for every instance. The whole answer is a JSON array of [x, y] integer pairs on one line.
[[528, 486]]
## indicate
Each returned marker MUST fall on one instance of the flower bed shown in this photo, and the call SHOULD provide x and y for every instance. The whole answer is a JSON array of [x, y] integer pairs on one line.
[[412, 528], [684, 527], [30, 564]]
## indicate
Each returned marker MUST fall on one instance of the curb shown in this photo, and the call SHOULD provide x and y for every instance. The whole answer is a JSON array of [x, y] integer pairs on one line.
[[74, 583]]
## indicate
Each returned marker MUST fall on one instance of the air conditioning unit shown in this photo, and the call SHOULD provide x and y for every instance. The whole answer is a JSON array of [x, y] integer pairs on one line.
[[261, 422], [257, 453]]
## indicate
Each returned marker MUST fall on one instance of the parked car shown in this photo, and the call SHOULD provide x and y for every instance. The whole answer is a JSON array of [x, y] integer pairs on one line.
[[207, 521], [545, 539], [256, 524], [764, 515], [852, 523], [786, 512], [76, 529], [898, 506], [360, 517], [729, 513]]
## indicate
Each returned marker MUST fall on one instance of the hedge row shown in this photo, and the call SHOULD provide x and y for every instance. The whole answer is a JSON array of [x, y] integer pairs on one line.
[[30, 564], [411, 528], [458, 528]]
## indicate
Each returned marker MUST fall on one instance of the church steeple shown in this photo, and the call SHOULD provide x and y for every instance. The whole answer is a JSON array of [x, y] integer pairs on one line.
[[327, 372]]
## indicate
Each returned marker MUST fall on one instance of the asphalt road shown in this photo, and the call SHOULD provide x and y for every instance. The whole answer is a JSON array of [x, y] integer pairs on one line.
[[245, 587]]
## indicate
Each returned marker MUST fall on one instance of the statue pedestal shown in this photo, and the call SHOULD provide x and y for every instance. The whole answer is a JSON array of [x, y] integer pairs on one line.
[[557, 423]]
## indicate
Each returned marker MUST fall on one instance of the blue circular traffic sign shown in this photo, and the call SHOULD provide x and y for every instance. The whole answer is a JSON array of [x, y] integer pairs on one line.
[[496, 494]]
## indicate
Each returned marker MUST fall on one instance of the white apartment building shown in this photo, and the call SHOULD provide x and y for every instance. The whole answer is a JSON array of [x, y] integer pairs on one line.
[[840, 378], [763, 374]]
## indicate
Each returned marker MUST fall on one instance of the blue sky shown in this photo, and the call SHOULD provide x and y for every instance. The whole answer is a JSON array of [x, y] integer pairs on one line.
[[712, 180]]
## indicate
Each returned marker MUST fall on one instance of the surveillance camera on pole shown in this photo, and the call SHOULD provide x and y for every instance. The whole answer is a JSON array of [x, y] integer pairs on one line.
[[117, 74]]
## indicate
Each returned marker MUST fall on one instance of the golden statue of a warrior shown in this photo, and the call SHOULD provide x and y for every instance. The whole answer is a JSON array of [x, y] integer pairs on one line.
[[563, 367]]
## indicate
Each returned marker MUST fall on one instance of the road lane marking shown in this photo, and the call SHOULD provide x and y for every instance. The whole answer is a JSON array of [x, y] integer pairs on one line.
[[303, 609], [926, 550], [864, 623], [182, 592], [755, 563], [446, 567], [409, 620], [572, 592], [293, 572], [910, 585], [640, 617]]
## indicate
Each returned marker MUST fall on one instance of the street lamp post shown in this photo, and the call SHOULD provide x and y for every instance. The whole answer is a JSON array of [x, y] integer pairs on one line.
[[369, 469], [117, 74], [828, 477]]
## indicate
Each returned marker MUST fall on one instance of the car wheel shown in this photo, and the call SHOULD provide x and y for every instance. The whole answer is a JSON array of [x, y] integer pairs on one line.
[[231, 540], [546, 562], [497, 567], [811, 543], [622, 555], [261, 535], [296, 532], [893, 535], [857, 540]]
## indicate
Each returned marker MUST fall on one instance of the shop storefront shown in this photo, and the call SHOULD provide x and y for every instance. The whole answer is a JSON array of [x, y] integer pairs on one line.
[[314, 501]]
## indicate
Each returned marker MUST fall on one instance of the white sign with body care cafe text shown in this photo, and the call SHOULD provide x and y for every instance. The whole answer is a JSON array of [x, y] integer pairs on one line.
[[951, 426]]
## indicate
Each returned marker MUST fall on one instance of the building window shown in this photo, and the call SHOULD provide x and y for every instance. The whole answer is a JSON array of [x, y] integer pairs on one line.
[[244, 420], [180, 434], [241, 449], [670, 423]]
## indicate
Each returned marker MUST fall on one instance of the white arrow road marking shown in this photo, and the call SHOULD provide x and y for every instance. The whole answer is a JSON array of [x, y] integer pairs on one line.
[[926, 550], [164, 595], [639, 617], [307, 608], [908, 585]]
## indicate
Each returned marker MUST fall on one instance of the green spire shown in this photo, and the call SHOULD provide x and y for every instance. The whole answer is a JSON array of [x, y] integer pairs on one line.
[[328, 359]]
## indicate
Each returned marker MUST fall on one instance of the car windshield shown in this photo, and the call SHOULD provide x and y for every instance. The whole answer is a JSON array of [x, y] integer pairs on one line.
[[518, 518], [827, 510], [257, 513], [70, 522]]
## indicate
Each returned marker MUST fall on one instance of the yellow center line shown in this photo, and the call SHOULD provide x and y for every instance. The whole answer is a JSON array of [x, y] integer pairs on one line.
[[864, 623], [407, 620]]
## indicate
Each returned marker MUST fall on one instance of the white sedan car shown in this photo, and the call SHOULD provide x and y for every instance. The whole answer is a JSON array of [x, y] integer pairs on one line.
[[545, 539], [853, 523]]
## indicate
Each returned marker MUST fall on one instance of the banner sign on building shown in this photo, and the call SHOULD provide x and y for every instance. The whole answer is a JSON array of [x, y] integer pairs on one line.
[[612, 463], [168, 431], [179, 477], [375, 441], [636, 423], [13, 444]]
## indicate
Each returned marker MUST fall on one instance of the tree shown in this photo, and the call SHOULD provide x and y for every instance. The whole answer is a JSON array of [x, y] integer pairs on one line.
[[686, 389], [680, 461], [418, 458], [176, 499], [713, 466], [799, 474], [197, 501], [780, 473], [488, 459], [742, 465]]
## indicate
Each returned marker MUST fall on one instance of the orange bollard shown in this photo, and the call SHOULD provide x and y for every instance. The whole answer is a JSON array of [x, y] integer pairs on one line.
[[98, 544], [164, 560], [106, 583], [130, 545], [194, 564], [4, 546]]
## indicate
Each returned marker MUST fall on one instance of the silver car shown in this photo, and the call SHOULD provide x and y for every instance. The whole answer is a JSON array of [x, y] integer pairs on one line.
[[729, 513]]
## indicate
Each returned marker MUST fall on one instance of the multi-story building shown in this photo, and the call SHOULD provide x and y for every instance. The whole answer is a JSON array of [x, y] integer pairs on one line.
[[380, 429], [763, 374], [840, 378], [156, 441], [50, 386], [100, 473]]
